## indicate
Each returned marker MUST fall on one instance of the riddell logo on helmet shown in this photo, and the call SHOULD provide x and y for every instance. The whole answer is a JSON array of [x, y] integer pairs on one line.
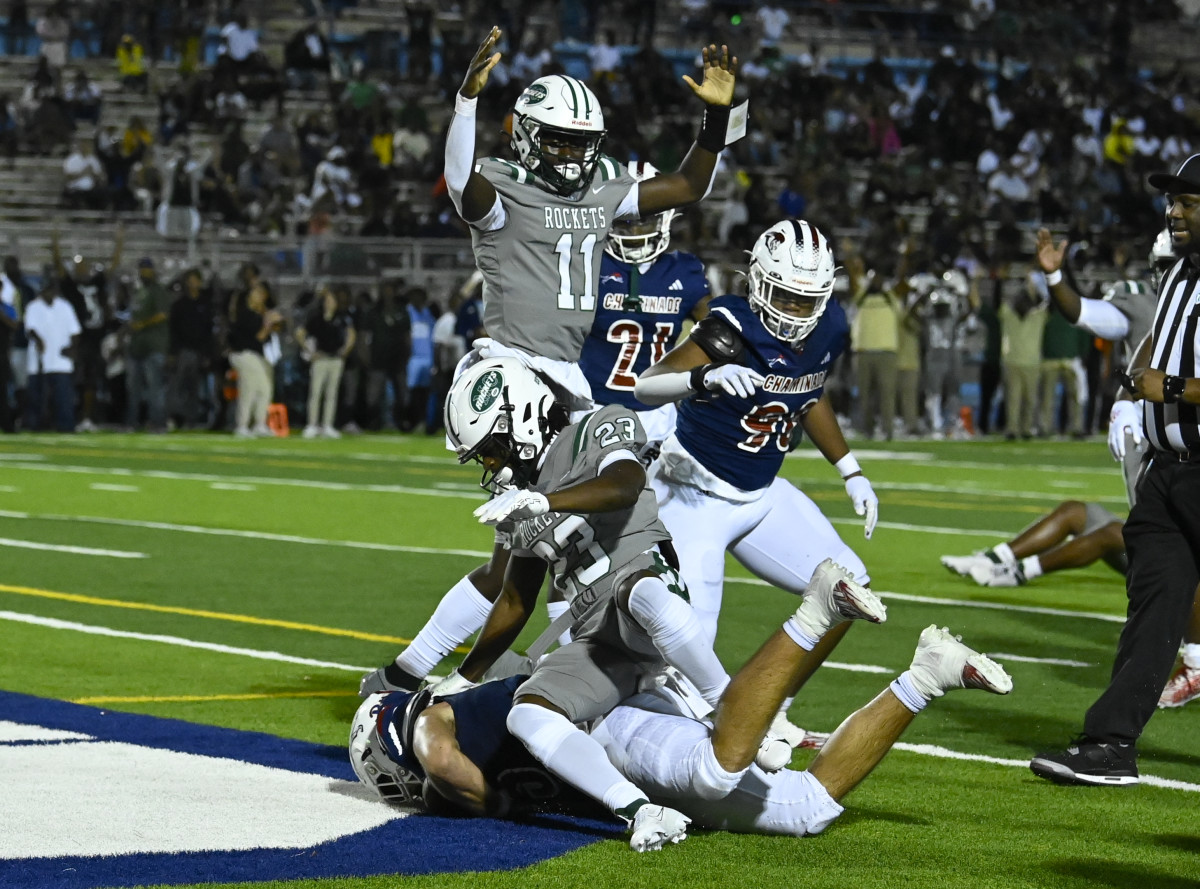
[[486, 390], [534, 94], [581, 123]]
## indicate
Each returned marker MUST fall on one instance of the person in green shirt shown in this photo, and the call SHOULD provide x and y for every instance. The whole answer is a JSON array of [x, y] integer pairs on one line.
[[146, 359]]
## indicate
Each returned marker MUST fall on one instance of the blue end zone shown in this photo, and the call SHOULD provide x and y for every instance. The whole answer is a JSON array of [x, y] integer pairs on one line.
[[421, 844]]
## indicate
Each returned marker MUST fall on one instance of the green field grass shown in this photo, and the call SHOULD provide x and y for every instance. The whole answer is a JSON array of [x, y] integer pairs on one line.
[[336, 552]]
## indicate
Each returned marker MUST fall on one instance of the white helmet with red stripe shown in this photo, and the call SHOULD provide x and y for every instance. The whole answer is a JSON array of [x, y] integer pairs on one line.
[[645, 239], [791, 278]]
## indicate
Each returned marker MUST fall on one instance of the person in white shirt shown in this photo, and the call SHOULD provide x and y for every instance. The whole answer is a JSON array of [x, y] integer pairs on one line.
[[52, 327], [84, 181]]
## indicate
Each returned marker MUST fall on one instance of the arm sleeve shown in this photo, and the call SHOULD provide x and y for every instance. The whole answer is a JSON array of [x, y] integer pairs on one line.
[[460, 156], [1102, 319]]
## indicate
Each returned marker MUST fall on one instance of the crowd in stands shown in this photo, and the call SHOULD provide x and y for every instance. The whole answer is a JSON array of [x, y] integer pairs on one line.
[[948, 139]]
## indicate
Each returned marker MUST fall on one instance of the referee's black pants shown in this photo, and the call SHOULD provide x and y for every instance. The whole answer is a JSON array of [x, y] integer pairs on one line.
[[1162, 539]]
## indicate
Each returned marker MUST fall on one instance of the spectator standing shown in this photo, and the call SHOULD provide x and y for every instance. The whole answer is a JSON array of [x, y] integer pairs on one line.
[[876, 337], [149, 340], [1022, 317], [252, 321], [54, 30], [388, 343], [10, 323], [327, 338], [131, 65], [23, 294], [448, 350], [191, 326], [419, 375], [1062, 346], [52, 328]]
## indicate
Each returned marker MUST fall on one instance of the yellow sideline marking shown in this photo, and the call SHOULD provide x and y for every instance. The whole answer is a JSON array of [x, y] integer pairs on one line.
[[200, 699], [211, 615]]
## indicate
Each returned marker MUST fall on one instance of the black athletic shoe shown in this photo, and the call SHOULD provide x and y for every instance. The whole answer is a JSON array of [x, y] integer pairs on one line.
[[1088, 762]]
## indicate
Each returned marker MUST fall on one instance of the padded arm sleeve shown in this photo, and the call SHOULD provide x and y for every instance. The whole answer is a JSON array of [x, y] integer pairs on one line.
[[1102, 319], [460, 150], [718, 338]]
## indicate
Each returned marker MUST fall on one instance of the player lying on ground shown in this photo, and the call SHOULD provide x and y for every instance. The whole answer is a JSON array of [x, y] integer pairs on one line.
[[456, 755], [1074, 535]]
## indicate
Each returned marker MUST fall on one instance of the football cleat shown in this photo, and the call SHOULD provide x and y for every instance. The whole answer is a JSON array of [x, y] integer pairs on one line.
[[997, 574], [834, 596], [962, 565], [773, 753], [1088, 762], [655, 826], [1183, 686], [798, 738], [387, 678], [942, 662]]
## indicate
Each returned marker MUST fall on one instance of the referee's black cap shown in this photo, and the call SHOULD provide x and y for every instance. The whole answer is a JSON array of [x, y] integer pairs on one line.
[[1185, 181]]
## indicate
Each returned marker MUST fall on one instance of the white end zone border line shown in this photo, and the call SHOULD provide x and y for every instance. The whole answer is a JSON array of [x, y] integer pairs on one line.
[[920, 749]]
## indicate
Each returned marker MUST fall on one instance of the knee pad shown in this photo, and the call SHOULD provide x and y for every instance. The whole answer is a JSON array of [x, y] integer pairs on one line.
[[709, 780], [542, 731]]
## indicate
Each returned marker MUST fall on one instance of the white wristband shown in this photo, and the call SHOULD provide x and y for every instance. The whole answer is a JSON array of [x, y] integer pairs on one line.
[[847, 466], [1053, 277], [465, 106]]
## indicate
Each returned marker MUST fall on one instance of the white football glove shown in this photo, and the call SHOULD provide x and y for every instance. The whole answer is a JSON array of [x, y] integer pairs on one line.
[[732, 379], [865, 502], [1126, 417], [513, 505], [451, 685]]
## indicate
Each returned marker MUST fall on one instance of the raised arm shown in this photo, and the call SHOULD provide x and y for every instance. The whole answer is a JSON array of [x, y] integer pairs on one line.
[[693, 179], [472, 194], [1050, 258]]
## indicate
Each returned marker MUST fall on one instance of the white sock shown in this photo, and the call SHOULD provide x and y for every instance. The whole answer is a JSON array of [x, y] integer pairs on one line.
[[799, 635], [461, 613], [907, 692], [555, 610], [572, 755], [678, 636], [1191, 655], [1032, 567], [1004, 553]]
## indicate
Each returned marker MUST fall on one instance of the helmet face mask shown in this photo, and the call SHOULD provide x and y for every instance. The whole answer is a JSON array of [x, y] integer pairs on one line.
[[374, 760], [790, 279], [643, 240], [502, 415], [557, 131]]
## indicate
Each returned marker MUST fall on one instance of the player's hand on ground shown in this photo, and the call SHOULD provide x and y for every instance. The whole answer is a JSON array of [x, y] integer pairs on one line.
[[513, 505], [1125, 419], [718, 77], [484, 61], [1050, 256], [451, 685], [733, 379], [866, 504]]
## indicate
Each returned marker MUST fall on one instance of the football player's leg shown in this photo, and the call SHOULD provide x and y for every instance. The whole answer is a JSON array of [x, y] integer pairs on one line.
[[701, 528], [1078, 551], [1066, 519], [676, 632], [941, 663], [460, 614]]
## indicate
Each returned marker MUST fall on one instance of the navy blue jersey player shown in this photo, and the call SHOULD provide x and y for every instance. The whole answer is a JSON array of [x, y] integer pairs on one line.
[[646, 295], [747, 380]]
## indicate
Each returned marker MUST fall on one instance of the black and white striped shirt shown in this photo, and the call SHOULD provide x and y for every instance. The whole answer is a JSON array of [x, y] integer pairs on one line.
[[1176, 427]]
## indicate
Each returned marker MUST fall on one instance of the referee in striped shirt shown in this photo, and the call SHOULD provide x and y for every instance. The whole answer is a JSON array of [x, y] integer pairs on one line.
[[1162, 533]]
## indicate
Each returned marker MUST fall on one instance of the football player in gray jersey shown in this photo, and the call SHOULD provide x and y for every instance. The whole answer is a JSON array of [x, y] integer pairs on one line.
[[539, 225], [577, 502]]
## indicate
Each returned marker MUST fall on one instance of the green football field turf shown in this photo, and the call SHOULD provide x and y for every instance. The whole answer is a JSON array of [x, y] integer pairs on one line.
[[338, 551]]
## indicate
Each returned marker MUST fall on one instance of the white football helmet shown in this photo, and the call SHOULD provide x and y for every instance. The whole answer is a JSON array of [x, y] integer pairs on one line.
[[557, 129], [501, 409], [1162, 254], [383, 760], [646, 239], [790, 278]]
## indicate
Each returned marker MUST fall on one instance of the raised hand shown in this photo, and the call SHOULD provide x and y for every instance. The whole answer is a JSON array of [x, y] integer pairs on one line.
[[1049, 255], [717, 80], [481, 65]]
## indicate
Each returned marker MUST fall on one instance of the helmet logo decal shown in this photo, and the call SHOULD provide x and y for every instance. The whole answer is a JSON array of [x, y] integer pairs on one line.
[[534, 94], [773, 241], [486, 390]]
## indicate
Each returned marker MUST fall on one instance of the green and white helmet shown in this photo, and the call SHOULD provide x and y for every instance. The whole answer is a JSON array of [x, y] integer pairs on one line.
[[502, 409], [557, 130]]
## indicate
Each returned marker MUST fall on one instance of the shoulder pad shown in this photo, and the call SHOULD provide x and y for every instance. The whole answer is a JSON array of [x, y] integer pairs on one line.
[[718, 338]]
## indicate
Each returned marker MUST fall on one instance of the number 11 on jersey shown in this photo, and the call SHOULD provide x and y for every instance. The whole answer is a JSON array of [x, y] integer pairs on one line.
[[564, 249]]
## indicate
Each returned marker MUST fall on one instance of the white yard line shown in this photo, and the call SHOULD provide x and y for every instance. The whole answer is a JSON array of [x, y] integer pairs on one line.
[[74, 550]]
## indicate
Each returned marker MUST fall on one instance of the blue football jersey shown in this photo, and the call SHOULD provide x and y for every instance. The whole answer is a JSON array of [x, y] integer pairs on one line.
[[480, 715], [638, 319], [744, 440]]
